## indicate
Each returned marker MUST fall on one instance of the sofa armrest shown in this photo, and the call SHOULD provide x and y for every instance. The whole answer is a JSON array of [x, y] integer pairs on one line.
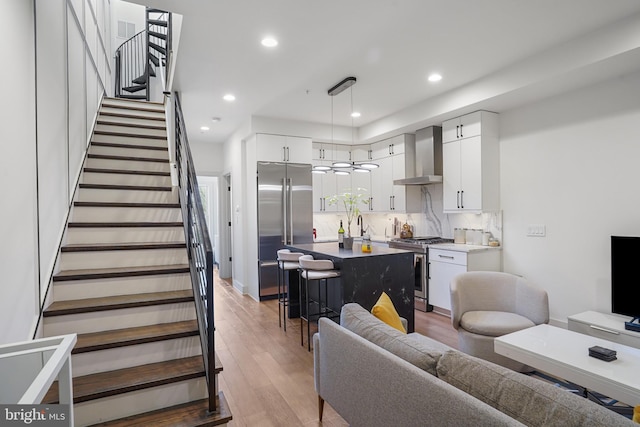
[[405, 323]]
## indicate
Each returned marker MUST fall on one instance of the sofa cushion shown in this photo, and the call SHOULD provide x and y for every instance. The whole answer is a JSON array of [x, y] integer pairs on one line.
[[493, 323], [417, 352], [530, 401], [385, 311]]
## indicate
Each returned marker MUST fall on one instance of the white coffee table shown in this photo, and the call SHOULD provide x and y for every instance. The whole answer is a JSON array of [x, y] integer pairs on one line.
[[565, 354]]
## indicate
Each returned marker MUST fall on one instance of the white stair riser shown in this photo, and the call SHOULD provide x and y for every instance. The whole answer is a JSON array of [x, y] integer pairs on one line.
[[125, 179], [129, 152], [127, 196], [124, 235], [127, 104], [124, 405], [116, 259], [97, 288], [131, 130], [130, 140], [115, 120], [98, 321], [101, 214], [134, 165], [134, 355]]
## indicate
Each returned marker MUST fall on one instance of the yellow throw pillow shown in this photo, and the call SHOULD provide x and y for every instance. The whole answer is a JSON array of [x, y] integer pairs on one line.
[[385, 311]]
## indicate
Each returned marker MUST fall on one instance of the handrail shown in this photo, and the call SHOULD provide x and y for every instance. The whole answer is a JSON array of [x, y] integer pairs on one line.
[[199, 247], [33, 366]]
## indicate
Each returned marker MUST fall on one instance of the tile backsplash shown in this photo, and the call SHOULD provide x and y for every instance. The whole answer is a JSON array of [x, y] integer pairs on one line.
[[430, 222]]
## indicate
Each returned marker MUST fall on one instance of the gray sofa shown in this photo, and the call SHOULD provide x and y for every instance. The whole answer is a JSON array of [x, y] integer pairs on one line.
[[374, 375]]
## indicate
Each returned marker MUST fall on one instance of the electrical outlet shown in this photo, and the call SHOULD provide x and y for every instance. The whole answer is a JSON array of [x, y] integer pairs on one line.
[[536, 230]]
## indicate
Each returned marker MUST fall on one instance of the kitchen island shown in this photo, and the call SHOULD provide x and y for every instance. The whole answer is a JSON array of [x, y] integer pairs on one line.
[[364, 276]]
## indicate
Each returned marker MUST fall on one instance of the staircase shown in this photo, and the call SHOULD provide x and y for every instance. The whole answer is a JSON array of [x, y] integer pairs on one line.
[[124, 284], [138, 58]]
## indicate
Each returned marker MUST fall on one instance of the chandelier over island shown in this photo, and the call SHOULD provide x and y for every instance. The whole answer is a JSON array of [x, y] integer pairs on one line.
[[344, 167]]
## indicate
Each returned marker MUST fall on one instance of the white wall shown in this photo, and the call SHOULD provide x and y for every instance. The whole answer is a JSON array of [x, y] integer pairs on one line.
[[19, 250], [571, 163], [59, 63]]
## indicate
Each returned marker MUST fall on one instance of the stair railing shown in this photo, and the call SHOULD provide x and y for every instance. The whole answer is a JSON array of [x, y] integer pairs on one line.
[[131, 57], [199, 248], [136, 58]]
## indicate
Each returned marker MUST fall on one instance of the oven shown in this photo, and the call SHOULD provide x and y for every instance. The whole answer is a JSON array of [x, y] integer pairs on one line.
[[420, 248]]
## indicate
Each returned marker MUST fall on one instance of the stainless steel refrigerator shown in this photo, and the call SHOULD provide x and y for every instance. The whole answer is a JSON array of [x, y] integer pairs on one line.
[[285, 216]]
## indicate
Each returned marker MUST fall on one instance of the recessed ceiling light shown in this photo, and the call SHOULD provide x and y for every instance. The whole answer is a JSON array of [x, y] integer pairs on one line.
[[355, 114], [435, 77], [204, 128], [215, 119], [229, 97], [269, 42]]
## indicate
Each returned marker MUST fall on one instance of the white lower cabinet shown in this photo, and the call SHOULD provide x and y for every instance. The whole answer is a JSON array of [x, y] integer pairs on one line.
[[444, 265]]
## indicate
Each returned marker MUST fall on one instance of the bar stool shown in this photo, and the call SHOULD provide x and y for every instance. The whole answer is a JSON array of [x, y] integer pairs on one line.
[[287, 261], [310, 270]]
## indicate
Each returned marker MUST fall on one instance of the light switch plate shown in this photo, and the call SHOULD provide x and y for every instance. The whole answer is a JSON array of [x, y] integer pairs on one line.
[[536, 230]]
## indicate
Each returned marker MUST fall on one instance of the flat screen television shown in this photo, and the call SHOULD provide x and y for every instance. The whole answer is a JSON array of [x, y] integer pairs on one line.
[[625, 255]]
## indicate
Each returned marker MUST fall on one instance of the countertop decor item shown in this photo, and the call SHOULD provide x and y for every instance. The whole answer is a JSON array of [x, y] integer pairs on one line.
[[350, 201]]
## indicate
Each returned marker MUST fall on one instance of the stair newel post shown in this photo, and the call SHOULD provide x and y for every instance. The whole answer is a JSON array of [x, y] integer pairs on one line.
[[146, 67]]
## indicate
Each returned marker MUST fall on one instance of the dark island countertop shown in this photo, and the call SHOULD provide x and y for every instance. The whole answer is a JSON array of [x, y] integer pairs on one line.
[[365, 275], [331, 249]]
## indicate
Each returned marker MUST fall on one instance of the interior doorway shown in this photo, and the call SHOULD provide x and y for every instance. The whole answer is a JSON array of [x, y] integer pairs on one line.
[[208, 186], [226, 240]]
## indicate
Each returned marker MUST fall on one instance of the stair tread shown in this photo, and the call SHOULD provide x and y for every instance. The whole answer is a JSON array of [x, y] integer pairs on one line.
[[111, 99], [134, 125], [130, 146], [158, 35], [135, 88], [104, 384], [159, 48], [122, 246], [131, 158], [124, 187], [98, 273], [190, 414], [87, 305], [132, 97], [157, 22], [126, 172], [133, 116], [131, 336], [154, 59], [126, 205], [123, 224], [133, 135]]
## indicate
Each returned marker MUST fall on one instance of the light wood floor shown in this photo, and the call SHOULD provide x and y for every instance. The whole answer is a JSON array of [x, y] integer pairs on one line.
[[268, 376]]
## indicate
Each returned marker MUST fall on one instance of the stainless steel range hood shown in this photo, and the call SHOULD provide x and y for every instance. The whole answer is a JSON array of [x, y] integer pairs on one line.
[[428, 158]]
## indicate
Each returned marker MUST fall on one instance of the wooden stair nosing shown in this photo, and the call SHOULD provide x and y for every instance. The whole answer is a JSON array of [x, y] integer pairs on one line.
[[127, 172], [125, 205], [97, 341], [130, 104], [117, 302], [125, 224], [120, 381], [112, 273], [131, 116], [194, 414], [130, 135], [126, 158], [128, 146], [132, 97], [123, 187], [130, 125], [97, 247]]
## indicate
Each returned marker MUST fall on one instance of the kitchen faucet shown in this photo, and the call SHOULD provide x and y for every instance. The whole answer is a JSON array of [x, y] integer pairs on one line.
[[360, 222]]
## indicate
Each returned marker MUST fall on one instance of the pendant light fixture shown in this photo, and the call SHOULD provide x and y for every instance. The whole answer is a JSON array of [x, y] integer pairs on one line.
[[343, 167]]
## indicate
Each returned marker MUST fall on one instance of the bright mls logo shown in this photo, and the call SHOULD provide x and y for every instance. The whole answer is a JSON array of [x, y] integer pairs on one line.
[[36, 415]]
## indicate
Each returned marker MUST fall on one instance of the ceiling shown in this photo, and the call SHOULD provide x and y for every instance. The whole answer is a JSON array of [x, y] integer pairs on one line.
[[390, 46]]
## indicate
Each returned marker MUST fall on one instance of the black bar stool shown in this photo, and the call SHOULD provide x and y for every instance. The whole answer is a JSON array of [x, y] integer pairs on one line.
[[321, 270], [287, 261]]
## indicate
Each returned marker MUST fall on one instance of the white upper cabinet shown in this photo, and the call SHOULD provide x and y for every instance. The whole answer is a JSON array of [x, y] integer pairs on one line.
[[389, 147], [282, 148], [463, 127], [471, 163]]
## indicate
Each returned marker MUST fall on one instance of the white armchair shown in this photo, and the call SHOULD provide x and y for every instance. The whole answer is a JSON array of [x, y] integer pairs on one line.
[[488, 304]]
